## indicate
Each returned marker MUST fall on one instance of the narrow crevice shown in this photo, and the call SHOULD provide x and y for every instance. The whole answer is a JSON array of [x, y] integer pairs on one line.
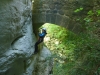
[[24, 65], [16, 39]]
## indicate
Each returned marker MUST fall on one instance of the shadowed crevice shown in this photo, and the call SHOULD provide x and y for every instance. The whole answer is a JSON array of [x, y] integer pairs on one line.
[[16, 39]]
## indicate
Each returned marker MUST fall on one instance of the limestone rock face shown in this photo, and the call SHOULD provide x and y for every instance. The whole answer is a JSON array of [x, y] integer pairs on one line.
[[44, 64], [16, 38]]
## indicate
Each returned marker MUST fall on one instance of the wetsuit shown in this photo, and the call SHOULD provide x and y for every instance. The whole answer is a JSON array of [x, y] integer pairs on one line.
[[41, 38]]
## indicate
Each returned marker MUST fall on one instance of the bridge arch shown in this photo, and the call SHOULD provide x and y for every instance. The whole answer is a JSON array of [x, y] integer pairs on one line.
[[59, 12]]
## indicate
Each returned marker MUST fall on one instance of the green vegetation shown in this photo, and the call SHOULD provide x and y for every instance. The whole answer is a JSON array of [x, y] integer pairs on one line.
[[78, 10], [61, 45], [73, 54], [76, 54]]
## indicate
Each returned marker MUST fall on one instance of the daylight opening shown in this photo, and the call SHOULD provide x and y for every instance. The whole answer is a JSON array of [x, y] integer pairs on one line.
[[59, 41]]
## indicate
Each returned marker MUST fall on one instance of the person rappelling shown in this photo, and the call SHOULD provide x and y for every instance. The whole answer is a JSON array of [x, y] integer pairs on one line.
[[40, 39]]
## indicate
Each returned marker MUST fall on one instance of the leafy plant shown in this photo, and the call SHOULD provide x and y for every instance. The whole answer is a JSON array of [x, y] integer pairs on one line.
[[78, 10], [98, 12]]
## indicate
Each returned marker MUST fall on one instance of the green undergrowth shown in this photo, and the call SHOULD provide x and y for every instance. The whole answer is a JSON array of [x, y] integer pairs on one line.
[[73, 54]]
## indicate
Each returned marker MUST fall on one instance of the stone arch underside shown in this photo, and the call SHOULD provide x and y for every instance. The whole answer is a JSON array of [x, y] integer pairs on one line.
[[64, 21], [60, 12]]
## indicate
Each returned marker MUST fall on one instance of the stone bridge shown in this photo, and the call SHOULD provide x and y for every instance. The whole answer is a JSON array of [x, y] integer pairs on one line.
[[60, 12]]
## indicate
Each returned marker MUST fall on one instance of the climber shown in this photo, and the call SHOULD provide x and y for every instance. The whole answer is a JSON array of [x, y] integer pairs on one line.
[[41, 38]]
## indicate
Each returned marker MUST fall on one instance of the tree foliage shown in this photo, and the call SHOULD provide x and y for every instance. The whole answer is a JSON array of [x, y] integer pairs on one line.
[[73, 54], [76, 54]]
